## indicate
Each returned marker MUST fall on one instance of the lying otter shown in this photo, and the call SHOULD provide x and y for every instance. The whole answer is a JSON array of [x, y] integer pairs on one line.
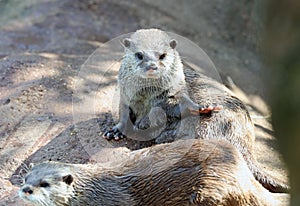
[[185, 172]]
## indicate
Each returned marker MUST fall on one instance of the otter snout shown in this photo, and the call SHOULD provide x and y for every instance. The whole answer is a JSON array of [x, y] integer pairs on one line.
[[27, 190], [151, 68]]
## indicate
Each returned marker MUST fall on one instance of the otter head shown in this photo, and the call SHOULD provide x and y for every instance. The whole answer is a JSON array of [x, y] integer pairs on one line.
[[152, 51], [47, 184]]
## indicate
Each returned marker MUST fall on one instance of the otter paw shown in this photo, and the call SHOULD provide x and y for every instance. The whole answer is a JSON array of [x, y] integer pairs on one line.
[[142, 124], [114, 134], [155, 118], [205, 110]]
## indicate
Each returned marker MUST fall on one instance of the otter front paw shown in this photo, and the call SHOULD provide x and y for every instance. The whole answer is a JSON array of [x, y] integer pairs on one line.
[[143, 124], [205, 110], [157, 117], [114, 134]]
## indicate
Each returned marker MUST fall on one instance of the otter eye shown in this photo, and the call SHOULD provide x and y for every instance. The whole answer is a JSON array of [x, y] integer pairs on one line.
[[139, 55], [44, 184], [161, 57]]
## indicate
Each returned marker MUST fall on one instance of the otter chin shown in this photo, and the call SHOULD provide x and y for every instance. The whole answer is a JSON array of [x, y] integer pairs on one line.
[[185, 172]]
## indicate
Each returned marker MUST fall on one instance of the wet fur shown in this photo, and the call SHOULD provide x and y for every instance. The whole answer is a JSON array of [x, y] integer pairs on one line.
[[189, 172]]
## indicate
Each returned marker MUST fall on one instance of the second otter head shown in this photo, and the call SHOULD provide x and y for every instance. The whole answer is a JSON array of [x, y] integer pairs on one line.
[[47, 184], [153, 51]]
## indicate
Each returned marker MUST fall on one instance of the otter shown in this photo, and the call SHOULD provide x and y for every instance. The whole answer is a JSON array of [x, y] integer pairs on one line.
[[153, 76], [185, 172]]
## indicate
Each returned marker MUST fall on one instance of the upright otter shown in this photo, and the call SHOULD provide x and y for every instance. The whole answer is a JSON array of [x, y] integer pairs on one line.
[[166, 174], [152, 75]]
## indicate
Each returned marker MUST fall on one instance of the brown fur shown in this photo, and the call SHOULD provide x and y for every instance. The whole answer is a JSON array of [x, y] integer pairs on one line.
[[189, 172]]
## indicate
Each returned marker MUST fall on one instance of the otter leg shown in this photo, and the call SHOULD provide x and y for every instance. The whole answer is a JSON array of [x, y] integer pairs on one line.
[[117, 132]]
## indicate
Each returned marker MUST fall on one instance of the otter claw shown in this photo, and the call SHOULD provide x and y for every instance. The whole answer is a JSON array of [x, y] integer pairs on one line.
[[114, 134]]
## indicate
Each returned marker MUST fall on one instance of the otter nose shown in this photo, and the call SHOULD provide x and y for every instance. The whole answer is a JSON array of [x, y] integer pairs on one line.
[[27, 190], [152, 67]]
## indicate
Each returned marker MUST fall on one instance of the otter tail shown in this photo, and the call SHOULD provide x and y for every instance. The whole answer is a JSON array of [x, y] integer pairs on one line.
[[270, 183]]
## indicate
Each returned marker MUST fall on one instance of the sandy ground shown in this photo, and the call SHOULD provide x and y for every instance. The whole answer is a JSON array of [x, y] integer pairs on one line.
[[55, 101]]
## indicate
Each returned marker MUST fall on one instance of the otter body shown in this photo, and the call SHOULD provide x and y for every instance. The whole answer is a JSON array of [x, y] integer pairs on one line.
[[189, 172], [152, 76]]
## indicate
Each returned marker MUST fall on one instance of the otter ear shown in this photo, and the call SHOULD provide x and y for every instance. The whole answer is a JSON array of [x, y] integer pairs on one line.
[[173, 43], [68, 179], [126, 42]]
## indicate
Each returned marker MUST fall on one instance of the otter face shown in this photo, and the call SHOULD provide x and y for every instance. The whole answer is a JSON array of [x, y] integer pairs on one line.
[[47, 186], [154, 55]]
